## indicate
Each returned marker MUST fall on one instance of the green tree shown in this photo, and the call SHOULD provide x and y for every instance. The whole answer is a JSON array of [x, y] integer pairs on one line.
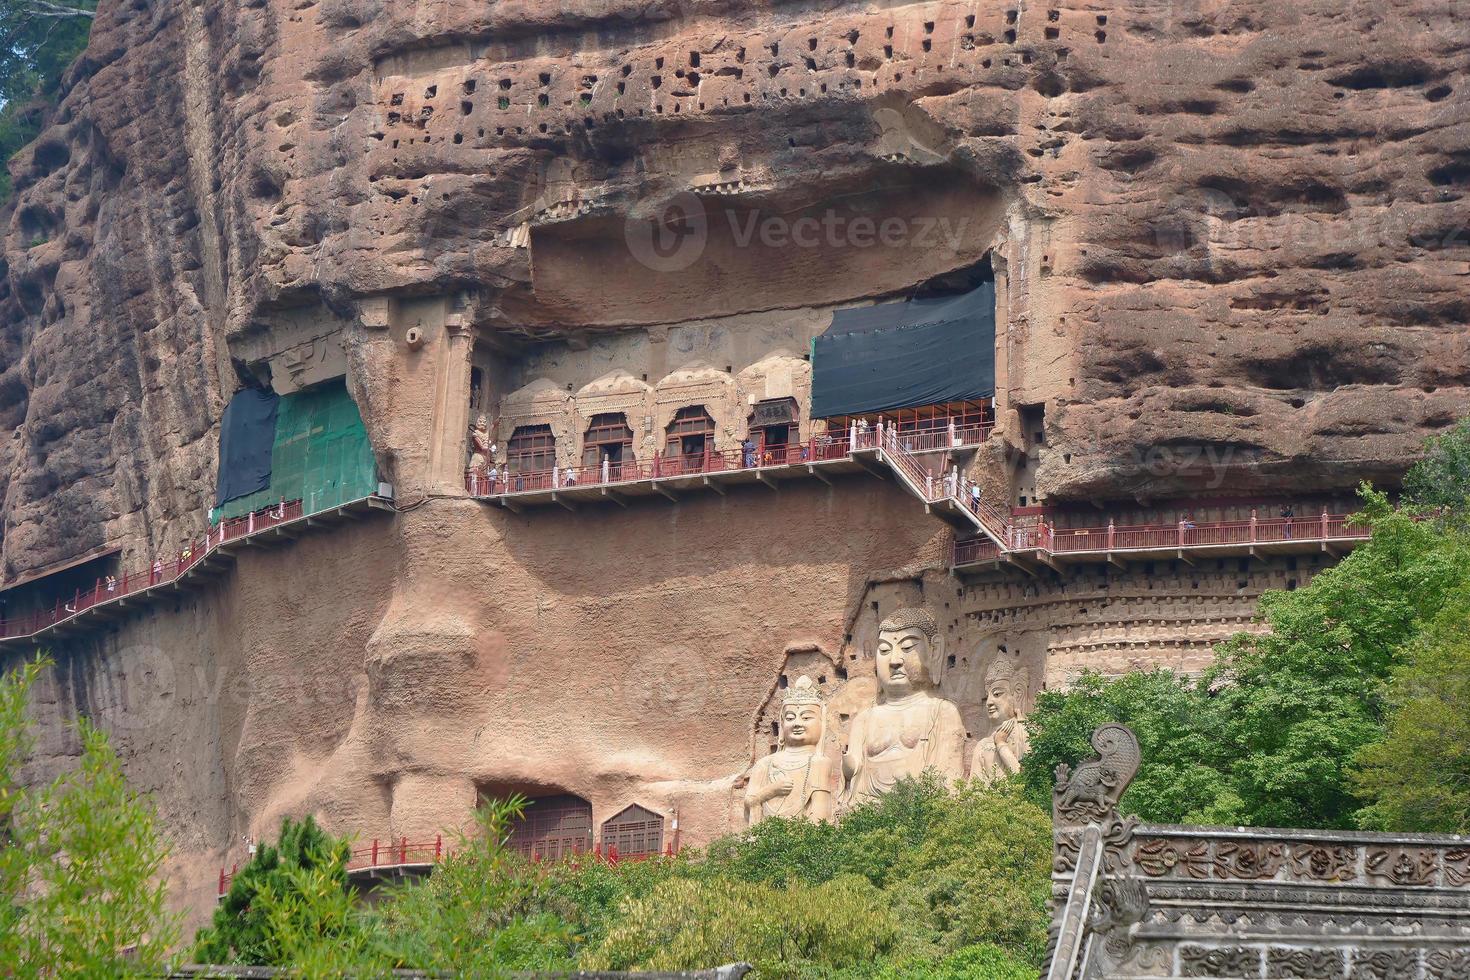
[[1418, 775], [80, 893], [785, 932], [39, 39], [1271, 734], [1301, 701], [288, 897], [485, 911], [1442, 479], [1186, 777]]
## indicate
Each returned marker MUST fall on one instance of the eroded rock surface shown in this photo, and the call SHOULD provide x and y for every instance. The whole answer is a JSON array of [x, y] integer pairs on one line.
[[1242, 222]]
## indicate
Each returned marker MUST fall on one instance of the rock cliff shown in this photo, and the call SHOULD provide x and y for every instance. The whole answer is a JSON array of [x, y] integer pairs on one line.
[[1243, 221], [1229, 238]]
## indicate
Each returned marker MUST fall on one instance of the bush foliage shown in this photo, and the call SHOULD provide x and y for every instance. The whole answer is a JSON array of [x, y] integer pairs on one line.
[[924, 883], [79, 860]]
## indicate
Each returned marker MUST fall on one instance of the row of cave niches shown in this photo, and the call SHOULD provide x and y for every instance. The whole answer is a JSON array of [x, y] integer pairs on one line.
[[508, 104], [1212, 576]]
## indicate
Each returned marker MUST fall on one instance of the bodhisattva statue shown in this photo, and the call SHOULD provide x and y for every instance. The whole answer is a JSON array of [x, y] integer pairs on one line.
[[999, 754], [482, 449], [796, 779], [911, 729]]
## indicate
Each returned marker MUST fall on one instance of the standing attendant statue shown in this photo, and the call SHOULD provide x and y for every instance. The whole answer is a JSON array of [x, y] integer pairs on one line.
[[482, 450], [911, 729], [796, 780], [999, 754]]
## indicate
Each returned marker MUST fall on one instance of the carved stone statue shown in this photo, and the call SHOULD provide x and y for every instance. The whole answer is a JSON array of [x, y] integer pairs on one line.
[[999, 754], [482, 452], [796, 779], [911, 729], [1091, 793]]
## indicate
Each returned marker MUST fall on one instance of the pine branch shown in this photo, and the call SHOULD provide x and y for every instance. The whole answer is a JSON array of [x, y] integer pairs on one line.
[[46, 8]]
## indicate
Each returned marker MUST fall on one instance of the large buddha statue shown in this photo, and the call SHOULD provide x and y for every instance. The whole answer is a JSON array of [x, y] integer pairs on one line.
[[998, 754], [796, 779], [911, 729]]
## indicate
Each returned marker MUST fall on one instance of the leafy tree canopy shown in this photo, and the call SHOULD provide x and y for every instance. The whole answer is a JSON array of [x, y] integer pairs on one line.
[[1302, 726], [39, 39]]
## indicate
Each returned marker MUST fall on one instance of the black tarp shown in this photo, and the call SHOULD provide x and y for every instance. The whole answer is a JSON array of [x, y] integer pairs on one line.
[[246, 435], [899, 355]]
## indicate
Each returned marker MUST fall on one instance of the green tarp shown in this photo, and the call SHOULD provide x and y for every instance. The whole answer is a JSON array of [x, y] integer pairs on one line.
[[320, 455]]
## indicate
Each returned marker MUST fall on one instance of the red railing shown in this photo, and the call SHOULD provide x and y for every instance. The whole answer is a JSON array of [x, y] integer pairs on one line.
[[930, 440], [1008, 532], [402, 852], [111, 588], [484, 484], [1180, 534]]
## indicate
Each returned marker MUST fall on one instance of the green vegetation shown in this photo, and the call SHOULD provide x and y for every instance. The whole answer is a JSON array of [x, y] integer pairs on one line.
[[923, 884], [79, 860], [41, 39], [1350, 712]]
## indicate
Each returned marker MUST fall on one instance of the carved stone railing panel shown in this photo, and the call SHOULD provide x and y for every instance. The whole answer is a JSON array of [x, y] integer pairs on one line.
[[1252, 903]]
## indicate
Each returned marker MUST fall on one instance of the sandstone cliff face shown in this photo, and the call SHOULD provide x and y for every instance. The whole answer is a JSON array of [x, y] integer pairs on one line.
[[1233, 230], [1231, 261]]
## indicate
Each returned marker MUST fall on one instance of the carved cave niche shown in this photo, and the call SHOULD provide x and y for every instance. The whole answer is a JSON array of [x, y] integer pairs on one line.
[[552, 826], [635, 831], [689, 435], [829, 676], [609, 438], [530, 449]]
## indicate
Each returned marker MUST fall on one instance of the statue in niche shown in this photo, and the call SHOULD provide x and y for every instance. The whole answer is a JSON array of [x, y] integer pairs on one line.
[[482, 449], [795, 780], [911, 729], [999, 754]]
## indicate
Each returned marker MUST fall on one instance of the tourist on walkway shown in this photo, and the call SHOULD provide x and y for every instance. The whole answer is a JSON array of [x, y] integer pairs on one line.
[[570, 478], [1287, 515], [747, 452], [157, 572], [111, 584], [974, 496]]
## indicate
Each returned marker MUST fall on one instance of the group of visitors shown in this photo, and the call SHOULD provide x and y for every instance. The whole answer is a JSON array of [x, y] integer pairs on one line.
[[958, 485]]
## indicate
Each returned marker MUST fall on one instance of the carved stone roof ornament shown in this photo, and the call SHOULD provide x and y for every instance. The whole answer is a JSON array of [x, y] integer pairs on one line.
[[1091, 792]]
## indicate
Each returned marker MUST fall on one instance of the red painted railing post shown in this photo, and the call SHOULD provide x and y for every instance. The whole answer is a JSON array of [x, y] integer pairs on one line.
[[403, 851]]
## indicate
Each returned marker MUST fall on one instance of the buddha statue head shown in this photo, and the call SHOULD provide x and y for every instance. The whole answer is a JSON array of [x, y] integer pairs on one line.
[[803, 715], [1006, 686], [908, 659]]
